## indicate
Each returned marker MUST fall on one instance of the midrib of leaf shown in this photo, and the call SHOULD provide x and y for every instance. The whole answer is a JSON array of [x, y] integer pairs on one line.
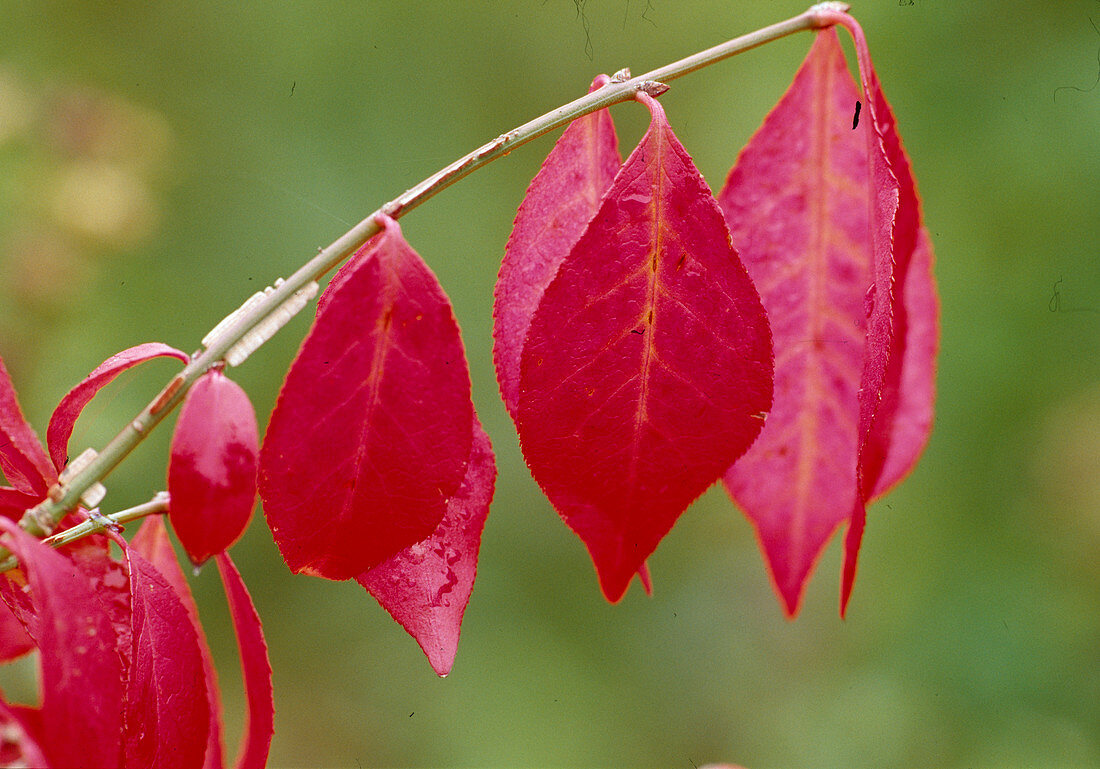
[[650, 308], [813, 393], [377, 368]]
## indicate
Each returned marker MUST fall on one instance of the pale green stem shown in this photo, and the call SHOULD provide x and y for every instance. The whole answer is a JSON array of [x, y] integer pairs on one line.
[[158, 505], [41, 519]]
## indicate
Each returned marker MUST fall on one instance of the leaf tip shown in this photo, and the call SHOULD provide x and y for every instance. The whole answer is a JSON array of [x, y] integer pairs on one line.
[[442, 658], [645, 579], [615, 580], [852, 541], [792, 604]]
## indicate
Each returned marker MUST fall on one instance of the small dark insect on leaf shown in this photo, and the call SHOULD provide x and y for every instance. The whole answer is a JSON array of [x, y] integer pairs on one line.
[[855, 118]]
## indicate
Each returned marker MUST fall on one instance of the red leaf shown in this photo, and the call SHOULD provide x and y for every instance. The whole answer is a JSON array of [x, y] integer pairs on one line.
[[65, 415], [14, 502], [110, 581], [151, 541], [797, 206], [81, 717], [647, 366], [561, 199], [371, 433], [902, 314], [426, 586], [14, 641], [255, 668], [905, 420], [819, 216], [90, 557], [22, 458], [212, 467], [167, 719]]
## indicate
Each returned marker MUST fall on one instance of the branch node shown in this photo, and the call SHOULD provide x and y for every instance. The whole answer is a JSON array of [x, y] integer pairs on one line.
[[92, 495], [104, 522], [822, 13], [269, 326], [37, 521], [653, 88], [230, 319]]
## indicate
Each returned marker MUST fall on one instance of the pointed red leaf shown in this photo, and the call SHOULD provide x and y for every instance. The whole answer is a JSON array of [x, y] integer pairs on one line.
[[167, 717], [371, 433], [904, 418], [900, 315], [22, 458], [255, 668], [818, 211], [647, 366], [81, 714], [212, 467], [151, 541], [561, 199], [426, 586], [797, 205], [65, 415]]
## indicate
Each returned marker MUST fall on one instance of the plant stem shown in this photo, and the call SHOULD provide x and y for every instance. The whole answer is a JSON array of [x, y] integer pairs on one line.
[[158, 505], [41, 519]]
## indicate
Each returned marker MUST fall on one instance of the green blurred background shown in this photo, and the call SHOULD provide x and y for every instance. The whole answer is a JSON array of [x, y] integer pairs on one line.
[[161, 161]]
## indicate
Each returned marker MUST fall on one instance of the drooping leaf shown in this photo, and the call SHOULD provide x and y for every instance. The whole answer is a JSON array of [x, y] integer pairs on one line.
[[893, 323], [797, 204], [255, 668], [80, 721], [427, 585], [903, 420], [561, 199], [65, 415], [167, 716], [151, 541], [22, 458], [372, 430], [212, 467], [820, 215], [647, 366]]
